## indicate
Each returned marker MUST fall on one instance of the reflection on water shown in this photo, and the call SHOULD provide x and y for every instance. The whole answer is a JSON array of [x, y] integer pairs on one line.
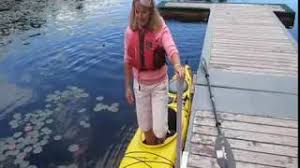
[[12, 96]]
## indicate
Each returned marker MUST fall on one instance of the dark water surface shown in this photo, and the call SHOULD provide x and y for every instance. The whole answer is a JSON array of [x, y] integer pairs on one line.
[[61, 82]]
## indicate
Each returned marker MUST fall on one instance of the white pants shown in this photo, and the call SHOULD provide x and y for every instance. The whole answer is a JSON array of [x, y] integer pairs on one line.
[[152, 107]]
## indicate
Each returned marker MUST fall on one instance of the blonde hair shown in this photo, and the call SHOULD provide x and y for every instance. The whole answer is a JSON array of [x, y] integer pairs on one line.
[[155, 21]]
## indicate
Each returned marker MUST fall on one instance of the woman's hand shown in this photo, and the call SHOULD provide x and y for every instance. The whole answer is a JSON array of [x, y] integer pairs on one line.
[[129, 96], [179, 70]]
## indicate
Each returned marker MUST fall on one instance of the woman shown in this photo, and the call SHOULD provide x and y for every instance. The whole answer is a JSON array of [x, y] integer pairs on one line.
[[147, 41]]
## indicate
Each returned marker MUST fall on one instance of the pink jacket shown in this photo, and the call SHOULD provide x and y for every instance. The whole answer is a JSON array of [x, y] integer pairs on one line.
[[164, 38]]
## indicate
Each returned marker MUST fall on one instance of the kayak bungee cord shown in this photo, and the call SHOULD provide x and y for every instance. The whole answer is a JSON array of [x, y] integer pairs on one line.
[[146, 161], [223, 150], [138, 161], [150, 161]]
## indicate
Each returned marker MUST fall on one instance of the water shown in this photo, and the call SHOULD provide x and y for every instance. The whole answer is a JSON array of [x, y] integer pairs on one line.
[[62, 82]]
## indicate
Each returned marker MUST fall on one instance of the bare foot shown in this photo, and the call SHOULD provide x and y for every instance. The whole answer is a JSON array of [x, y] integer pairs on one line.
[[150, 138], [160, 140]]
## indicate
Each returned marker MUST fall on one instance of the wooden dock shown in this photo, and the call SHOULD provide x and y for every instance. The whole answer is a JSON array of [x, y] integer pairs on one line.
[[256, 142], [190, 11], [253, 65]]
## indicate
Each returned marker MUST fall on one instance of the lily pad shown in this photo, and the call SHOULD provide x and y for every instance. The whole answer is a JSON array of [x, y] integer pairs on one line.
[[84, 95], [73, 148], [34, 133], [73, 166], [51, 97], [46, 130], [81, 123], [17, 116], [87, 125], [13, 124], [28, 128], [12, 152], [19, 140], [57, 137], [28, 149], [113, 109], [100, 107], [43, 142], [49, 121], [20, 145], [37, 150], [18, 161], [21, 155], [49, 112], [17, 134], [48, 105], [24, 163], [72, 87], [57, 92], [62, 166], [82, 110], [11, 146], [99, 98]]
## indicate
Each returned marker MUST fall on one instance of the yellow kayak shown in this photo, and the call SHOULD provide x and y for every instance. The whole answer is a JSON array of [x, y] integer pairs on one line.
[[140, 155]]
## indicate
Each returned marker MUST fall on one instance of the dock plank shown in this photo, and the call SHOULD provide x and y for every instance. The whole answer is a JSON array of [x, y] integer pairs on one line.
[[248, 102], [256, 64], [251, 119], [198, 161], [239, 47], [247, 145], [250, 157], [248, 136], [248, 126], [255, 70]]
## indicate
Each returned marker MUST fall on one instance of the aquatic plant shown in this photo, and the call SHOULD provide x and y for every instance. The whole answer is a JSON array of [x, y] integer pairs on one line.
[[49, 121], [17, 134], [36, 129], [82, 110], [101, 106], [13, 124], [17, 116], [84, 124], [24, 163], [68, 166], [21, 156], [37, 149], [43, 142], [99, 98], [57, 137], [73, 148], [46, 130]]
